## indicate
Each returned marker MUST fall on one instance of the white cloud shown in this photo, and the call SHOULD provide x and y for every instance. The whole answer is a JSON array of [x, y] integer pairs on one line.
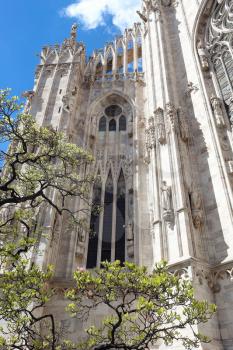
[[91, 12]]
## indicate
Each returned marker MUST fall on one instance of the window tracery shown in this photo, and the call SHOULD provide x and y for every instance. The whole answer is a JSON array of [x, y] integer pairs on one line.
[[109, 240], [220, 47], [113, 111]]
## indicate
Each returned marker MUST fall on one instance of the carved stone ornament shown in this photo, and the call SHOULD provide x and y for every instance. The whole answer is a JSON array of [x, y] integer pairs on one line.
[[191, 88], [63, 68], [49, 69], [38, 72], [147, 147], [81, 239], [152, 5], [65, 101], [230, 167], [171, 118], [218, 112], [196, 208], [203, 56], [160, 126], [150, 134], [166, 198], [183, 125], [214, 278], [68, 102]]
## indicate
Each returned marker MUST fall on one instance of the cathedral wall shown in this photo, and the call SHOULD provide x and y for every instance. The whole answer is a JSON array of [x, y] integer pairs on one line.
[[173, 157]]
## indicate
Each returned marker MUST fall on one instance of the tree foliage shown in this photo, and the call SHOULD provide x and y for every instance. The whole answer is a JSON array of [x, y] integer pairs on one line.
[[40, 170], [142, 308]]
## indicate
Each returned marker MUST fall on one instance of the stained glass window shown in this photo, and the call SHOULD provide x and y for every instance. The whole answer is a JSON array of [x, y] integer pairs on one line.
[[112, 125], [113, 111], [122, 123], [102, 124]]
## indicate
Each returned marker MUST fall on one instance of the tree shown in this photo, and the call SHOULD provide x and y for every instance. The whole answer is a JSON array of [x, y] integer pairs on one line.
[[41, 169], [143, 307]]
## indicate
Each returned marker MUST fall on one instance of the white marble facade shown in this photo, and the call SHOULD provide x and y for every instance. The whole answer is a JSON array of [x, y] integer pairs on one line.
[[164, 148]]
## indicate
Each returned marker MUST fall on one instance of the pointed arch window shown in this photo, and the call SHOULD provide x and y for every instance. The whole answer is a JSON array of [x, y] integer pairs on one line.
[[122, 123], [109, 63], [130, 55], [120, 58], [139, 53], [107, 223], [112, 125], [120, 220], [102, 124], [99, 69], [94, 227]]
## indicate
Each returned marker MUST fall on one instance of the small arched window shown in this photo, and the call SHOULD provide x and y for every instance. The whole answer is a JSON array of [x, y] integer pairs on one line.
[[122, 123], [112, 125], [102, 124]]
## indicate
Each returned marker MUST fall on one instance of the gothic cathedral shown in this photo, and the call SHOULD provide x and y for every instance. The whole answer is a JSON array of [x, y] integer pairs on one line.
[[155, 108]]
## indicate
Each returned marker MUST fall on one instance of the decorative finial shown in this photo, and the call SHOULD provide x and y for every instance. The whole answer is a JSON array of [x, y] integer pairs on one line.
[[73, 32]]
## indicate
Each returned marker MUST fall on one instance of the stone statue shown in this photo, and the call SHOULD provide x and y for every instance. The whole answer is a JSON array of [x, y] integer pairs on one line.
[[129, 231], [73, 32], [65, 101], [203, 56], [166, 197], [81, 235], [167, 203], [217, 109], [171, 115], [184, 132], [161, 132], [196, 200], [81, 239], [196, 207], [130, 239]]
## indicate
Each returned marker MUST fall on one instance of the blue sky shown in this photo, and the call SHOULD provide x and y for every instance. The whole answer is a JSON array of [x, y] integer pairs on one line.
[[27, 25]]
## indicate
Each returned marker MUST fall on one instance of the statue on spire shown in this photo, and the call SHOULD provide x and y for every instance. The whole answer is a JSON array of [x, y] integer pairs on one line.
[[73, 32]]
